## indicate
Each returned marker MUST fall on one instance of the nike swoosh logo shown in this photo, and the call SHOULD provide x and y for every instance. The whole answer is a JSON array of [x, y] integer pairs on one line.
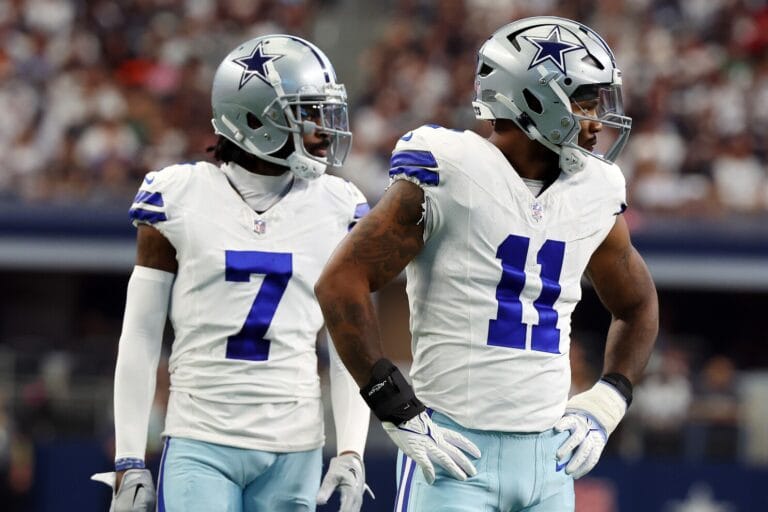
[[408, 136], [136, 492], [149, 180]]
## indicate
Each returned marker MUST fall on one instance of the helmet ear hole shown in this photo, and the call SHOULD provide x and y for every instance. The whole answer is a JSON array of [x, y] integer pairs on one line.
[[512, 38], [253, 121], [589, 59], [533, 102], [485, 70]]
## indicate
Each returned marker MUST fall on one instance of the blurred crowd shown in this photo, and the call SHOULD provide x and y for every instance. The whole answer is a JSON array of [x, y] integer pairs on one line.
[[97, 93]]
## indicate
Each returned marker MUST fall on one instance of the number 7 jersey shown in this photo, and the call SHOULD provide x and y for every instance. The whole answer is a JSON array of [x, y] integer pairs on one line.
[[243, 309], [492, 291]]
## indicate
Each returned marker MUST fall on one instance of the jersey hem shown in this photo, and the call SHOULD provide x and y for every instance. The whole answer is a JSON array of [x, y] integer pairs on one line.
[[247, 400], [247, 444]]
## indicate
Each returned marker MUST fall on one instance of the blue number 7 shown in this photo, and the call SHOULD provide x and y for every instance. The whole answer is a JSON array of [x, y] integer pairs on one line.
[[508, 329], [277, 268]]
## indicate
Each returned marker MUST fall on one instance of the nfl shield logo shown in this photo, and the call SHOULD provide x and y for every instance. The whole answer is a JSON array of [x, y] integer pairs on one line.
[[259, 226], [537, 210]]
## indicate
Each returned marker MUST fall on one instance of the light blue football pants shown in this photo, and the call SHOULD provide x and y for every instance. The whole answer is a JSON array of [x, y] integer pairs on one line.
[[516, 473], [196, 476]]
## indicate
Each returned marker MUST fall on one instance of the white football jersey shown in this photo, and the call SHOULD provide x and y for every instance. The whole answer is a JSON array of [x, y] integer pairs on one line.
[[243, 363], [492, 292]]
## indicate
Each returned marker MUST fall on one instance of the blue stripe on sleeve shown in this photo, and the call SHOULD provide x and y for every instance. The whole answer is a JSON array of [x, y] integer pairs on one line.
[[153, 198], [146, 215], [413, 157], [424, 176], [361, 210]]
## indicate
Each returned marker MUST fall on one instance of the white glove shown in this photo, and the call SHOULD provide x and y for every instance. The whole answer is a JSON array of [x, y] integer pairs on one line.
[[136, 493], [425, 443], [591, 417], [348, 474]]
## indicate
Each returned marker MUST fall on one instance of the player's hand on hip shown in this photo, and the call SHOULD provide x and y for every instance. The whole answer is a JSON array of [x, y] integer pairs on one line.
[[347, 473], [427, 443], [590, 417], [584, 445], [136, 492]]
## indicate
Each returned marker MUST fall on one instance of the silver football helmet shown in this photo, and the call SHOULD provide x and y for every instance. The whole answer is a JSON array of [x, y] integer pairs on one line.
[[279, 86], [531, 70]]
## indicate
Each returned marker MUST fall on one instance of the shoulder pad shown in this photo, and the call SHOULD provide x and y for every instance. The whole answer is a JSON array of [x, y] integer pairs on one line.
[[413, 157], [150, 204]]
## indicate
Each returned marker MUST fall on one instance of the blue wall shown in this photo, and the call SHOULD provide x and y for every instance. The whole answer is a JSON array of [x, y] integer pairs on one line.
[[63, 470]]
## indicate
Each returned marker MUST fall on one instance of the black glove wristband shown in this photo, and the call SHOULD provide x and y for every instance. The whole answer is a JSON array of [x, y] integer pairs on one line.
[[389, 395], [621, 383]]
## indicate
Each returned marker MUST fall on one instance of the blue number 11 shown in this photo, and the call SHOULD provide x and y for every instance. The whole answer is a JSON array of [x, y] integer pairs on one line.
[[508, 329]]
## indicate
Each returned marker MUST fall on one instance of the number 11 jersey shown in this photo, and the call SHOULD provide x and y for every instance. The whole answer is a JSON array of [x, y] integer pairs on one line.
[[492, 291]]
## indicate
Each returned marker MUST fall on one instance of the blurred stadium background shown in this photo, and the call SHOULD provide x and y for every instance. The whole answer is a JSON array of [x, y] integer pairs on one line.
[[95, 93]]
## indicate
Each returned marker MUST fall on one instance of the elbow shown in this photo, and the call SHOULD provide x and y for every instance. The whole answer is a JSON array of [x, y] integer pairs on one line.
[[655, 318], [330, 286], [641, 312], [645, 309], [652, 310], [334, 286], [645, 316], [325, 288]]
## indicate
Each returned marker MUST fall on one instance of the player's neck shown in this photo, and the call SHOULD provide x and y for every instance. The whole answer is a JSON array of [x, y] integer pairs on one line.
[[264, 168], [259, 191], [527, 157]]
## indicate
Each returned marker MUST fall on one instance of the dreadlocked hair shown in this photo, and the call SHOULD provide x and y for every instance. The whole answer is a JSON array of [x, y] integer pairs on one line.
[[227, 151]]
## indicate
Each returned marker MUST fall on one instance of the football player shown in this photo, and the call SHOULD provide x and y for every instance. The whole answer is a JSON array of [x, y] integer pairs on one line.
[[231, 254], [495, 235]]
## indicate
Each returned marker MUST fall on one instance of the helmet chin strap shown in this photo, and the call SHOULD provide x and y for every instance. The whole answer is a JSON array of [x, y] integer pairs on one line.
[[305, 167]]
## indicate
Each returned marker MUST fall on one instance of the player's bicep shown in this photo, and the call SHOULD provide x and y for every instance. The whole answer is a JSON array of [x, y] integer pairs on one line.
[[618, 272], [386, 239], [153, 250]]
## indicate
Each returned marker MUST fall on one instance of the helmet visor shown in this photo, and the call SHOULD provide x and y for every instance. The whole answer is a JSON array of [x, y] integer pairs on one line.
[[602, 103], [321, 125]]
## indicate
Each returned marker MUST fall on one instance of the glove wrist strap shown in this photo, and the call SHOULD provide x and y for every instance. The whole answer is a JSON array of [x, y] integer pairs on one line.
[[621, 383], [389, 395], [603, 402]]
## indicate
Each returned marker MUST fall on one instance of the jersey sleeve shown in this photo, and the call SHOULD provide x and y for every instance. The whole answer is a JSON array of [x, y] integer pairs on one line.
[[606, 199], [618, 186], [159, 201], [416, 158]]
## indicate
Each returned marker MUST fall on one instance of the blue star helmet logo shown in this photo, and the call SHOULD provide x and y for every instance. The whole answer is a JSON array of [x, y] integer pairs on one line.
[[255, 65], [552, 48]]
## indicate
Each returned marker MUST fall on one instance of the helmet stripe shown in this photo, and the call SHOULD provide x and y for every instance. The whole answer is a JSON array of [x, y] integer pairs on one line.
[[317, 55]]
